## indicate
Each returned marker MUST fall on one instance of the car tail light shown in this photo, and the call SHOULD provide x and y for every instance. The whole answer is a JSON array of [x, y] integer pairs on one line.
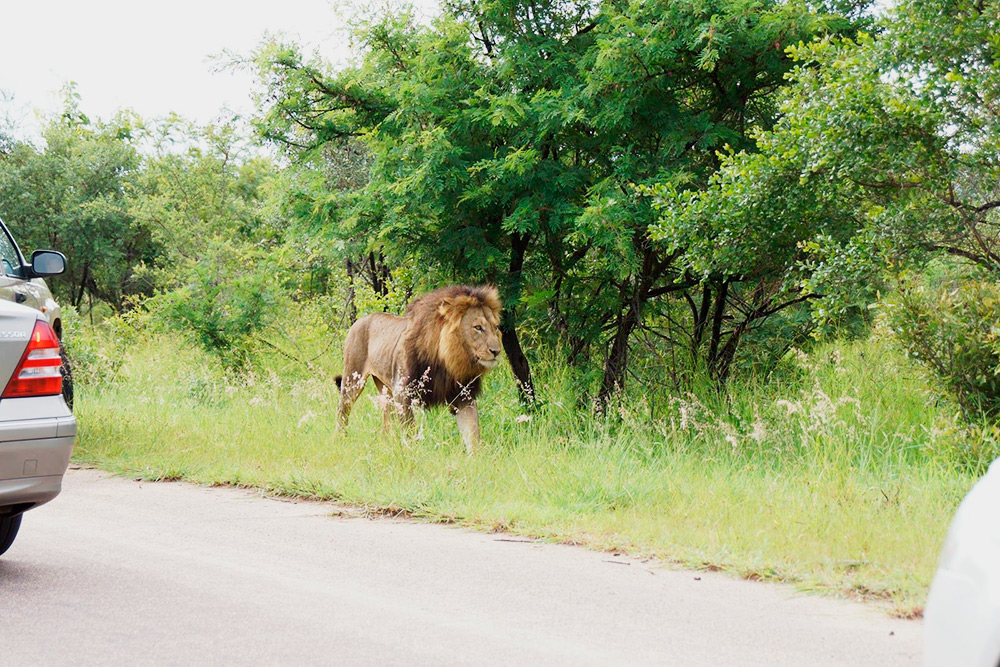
[[39, 372]]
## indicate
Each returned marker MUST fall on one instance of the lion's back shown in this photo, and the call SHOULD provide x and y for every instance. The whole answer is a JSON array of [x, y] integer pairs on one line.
[[371, 343]]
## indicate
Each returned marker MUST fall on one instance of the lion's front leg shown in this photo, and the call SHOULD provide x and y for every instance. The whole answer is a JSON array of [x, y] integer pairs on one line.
[[467, 417], [401, 401]]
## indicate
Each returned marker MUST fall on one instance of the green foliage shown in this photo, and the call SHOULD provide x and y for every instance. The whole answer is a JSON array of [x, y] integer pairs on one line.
[[98, 350], [70, 196], [197, 182], [129, 219], [225, 298], [953, 328], [506, 140], [885, 156], [393, 300]]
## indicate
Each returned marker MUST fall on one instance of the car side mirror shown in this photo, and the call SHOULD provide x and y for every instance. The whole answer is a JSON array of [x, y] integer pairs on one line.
[[47, 263]]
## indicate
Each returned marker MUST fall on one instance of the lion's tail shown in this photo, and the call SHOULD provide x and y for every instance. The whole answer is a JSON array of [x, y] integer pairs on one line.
[[339, 380]]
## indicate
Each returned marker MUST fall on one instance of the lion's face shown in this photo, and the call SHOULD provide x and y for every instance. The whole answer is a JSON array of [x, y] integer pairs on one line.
[[469, 338], [481, 335]]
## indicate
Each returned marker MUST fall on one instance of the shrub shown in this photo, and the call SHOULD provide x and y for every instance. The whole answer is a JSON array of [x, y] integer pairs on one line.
[[953, 329], [225, 298]]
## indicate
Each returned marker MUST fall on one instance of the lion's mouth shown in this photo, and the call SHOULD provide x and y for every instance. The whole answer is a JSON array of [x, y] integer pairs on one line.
[[488, 363]]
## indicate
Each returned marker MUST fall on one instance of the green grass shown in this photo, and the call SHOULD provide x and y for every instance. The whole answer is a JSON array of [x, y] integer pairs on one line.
[[840, 477]]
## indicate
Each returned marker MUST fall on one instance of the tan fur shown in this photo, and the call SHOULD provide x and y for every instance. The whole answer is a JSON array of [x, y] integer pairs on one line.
[[437, 353]]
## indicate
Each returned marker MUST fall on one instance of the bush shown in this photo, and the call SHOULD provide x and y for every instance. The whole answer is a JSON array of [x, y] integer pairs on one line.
[[953, 329], [227, 297]]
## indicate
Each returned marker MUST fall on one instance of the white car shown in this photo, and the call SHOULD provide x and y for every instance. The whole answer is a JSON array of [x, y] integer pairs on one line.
[[962, 616], [37, 427]]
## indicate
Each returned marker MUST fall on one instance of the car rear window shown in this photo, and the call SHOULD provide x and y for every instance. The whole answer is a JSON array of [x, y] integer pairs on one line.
[[9, 256]]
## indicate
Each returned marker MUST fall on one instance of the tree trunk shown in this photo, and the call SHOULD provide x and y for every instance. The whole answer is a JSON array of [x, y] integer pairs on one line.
[[617, 363], [352, 308], [508, 331], [700, 321], [379, 272], [633, 294], [77, 298], [717, 317], [518, 362]]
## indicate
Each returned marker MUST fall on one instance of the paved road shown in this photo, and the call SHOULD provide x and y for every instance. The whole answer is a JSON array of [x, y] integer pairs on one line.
[[122, 572]]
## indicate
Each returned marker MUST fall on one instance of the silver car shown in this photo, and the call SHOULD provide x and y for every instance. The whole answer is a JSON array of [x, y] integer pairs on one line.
[[37, 428], [23, 282]]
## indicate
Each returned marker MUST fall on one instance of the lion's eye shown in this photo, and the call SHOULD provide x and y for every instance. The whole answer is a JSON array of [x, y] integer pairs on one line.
[[478, 328]]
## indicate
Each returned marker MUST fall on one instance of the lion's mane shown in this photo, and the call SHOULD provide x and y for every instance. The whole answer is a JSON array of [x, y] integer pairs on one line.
[[438, 363]]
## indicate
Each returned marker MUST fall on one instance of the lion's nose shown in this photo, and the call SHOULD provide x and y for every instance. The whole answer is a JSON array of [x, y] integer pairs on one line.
[[496, 353]]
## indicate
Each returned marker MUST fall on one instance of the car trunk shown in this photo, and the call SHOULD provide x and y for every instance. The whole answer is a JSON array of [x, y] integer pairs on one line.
[[16, 324]]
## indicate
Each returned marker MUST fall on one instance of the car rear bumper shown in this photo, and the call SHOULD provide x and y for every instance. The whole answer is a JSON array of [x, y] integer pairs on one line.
[[20, 495], [34, 455]]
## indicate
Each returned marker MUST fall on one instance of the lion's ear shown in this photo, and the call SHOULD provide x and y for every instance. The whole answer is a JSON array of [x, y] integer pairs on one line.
[[454, 307], [492, 299], [450, 309]]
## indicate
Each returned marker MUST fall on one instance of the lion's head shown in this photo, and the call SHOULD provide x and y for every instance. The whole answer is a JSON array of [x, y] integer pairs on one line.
[[459, 325]]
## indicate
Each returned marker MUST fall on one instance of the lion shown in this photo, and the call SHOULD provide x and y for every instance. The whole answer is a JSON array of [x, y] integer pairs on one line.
[[436, 354]]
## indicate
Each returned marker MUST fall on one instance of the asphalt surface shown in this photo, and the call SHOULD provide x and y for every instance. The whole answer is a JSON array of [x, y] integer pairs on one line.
[[117, 572]]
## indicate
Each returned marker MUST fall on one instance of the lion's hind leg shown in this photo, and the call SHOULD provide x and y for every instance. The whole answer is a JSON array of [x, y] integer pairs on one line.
[[351, 386], [385, 401]]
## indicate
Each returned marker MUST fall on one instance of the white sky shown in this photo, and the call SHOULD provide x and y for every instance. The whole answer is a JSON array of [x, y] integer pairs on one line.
[[153, 57]]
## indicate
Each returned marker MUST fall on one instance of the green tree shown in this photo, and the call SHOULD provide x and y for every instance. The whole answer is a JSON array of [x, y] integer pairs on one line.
[[669, 86], [507, 140], [886, 156], [70, 196], [212, 204], [197, 183], [222, 299]]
